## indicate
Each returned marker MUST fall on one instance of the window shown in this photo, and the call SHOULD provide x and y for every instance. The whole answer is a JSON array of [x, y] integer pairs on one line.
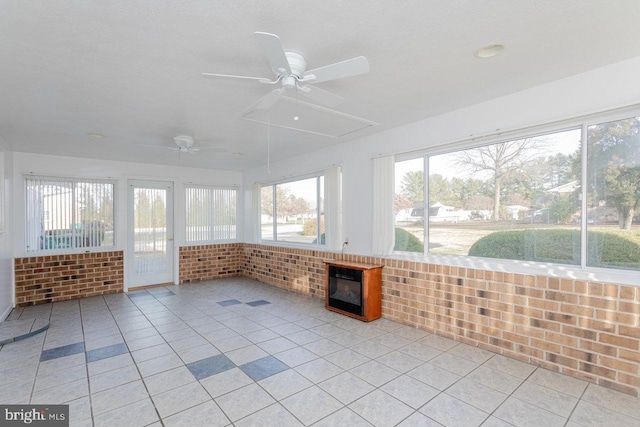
[[613, 194], [68, 213], [409, 205], [523, 199], [293, 211], [517, 199], [211, 213]]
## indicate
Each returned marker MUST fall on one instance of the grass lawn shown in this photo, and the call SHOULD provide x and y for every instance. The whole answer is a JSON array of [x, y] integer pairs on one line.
[[609, 246]]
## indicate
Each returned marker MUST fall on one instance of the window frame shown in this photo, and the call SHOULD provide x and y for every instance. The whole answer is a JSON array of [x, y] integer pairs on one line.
[[580, 271], [210, 188], [74, 180], [274, 224]]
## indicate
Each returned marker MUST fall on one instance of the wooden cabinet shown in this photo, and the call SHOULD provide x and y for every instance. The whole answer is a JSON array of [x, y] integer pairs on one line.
[[354, 289]]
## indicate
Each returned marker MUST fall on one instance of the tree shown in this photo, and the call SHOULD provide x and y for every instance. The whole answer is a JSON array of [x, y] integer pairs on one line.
[[562, 168], [159, 210], [501, 161], [401, 202], [412, 186], [142, 209], [613, 156], [439, 189], [624, 189], [282, 195], [561, 208], [474, 194], [298, 206], [480, 203]]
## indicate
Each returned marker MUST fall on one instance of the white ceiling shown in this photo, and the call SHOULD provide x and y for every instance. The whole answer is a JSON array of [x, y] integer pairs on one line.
[[130, 69]]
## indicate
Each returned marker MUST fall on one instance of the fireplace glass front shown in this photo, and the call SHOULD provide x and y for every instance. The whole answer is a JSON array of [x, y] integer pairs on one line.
[[345, 289]]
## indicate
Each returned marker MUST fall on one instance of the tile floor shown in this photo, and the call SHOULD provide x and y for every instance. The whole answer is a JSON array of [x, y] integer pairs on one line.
[[237, 352]]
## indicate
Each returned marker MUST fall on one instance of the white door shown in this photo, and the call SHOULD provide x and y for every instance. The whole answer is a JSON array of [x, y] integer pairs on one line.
[[150, 233]]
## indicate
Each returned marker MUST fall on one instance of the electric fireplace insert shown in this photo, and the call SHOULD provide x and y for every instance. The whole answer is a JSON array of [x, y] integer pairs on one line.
[[345, 289], [354, 289]]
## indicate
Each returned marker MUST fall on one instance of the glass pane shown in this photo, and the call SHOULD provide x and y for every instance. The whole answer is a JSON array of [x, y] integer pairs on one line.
[[322, 217], [53, 210], [266, 216], [64, 213], [514, 200], [150, 222], [95, 214], [198, 214], [409, 205], [224, 217], [297, 211], [613, 203], [211, 214]]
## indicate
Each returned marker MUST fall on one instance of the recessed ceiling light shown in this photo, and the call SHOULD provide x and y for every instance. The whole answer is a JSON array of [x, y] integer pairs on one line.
[[490, 50], [96, 135]]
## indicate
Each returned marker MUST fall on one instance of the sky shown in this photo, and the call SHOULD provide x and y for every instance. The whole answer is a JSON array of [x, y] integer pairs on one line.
[[443, 164]]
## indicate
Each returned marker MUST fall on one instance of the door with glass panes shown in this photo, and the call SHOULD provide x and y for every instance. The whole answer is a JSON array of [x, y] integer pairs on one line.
[[150, 233]]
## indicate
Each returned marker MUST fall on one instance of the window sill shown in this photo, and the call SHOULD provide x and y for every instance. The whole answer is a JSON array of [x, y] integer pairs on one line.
[[560, 271], [74, 251], [293, 245], [210, 242]]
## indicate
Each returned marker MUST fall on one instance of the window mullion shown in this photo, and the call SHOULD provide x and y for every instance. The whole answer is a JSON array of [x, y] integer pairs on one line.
[[211, 220], [318, 209], [425, 215], [275, 214], [584, 202]]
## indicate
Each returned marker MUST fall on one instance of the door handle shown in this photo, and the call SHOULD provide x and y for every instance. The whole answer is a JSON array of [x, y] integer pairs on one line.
[[170, 239]]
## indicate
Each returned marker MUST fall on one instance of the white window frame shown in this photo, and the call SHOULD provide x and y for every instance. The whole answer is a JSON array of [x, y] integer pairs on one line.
[[319, 196], [211, 218], [73, 249], [582, 271]]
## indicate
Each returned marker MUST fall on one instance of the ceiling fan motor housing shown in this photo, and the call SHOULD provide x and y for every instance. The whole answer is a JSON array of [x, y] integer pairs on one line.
[[183, 141], [297, 64]]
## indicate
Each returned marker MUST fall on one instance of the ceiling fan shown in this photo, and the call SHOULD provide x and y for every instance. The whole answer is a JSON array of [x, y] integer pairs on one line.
[[186, 144], [290, 70]]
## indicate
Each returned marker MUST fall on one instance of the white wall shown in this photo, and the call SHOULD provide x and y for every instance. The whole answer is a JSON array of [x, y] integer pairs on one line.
[[6, 257], [26, 163], [595, 91]]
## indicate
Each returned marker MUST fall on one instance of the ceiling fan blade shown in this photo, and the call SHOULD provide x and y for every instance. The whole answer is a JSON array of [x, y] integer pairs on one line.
[[229, 76], [320, 95], [213, 149], [269, 99], [339, 70], [272, 48], [163, 147]]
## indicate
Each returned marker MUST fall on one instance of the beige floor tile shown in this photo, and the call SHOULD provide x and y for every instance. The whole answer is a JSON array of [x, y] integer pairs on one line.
[[380, 409], [244, 401], [178, 399], [311, 405]]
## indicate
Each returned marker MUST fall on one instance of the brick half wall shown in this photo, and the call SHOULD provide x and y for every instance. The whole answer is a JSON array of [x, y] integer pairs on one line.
[[54, 278], [589, 330], [296, 270], [207, 262]]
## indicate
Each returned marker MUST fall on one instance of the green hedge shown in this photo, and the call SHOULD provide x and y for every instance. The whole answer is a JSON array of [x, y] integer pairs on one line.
[[407, 242], [605, 248]]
